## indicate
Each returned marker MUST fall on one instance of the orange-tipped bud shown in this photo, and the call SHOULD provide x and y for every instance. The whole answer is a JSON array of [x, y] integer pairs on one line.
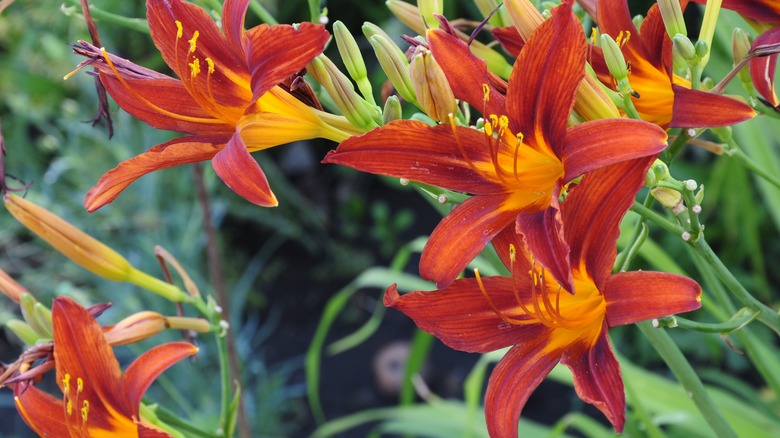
[[430, 85], [11, 288], [145, 324]]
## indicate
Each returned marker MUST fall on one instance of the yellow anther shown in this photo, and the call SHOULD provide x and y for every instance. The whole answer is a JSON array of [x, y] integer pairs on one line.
[[520, 138], [211, 65], [194, 41], [512, 253], [485, 92], [85, 411], [194, 67], [69, 407], [620, 39], [66, 384], [493, 120], [594, 34], [503, 123], [179, 29], [79, 385], [489, 129]]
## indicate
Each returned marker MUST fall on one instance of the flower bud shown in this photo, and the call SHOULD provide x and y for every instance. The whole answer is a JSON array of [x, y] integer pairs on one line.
[[353, 60], [671, 13], [340, 89], [145, 324], [669, 198], [427, 10], [23, 331], [395, 65], [392, 110], [38, 319], [430, 85], [408, 14], [524, 15], [684, 47], [500, 18], [10, 287], [616, 63], [702, 48], [740, 44]]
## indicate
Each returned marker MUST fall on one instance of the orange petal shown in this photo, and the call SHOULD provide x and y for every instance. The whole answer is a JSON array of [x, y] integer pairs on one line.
[[697, 109], [233, 14], [510, 39], [764, 11], [762, 69], [41, 411], [642, 295], [545, 77], [239, 171], [176, 152], [544, 237]]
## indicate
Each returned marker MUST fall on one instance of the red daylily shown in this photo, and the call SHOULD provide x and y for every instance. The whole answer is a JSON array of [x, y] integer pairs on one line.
[[544, 323], [761, 11], [228, 97], [98, 400], [517, 167], [665, 98]]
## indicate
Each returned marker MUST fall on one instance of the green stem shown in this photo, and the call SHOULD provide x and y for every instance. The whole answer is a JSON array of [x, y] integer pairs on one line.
[[314, 10], [259, 10], [736, 152], [623, 259], [686, 375], [668, 155], [175, 421], [742, 318], [766, 315], [224, 374], [657, 219], [138, 24]]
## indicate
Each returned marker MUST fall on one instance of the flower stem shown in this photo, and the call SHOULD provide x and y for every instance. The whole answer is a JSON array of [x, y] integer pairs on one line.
[[224, 374], [736, 152], [262, 12], [138, 24], [686, 375]]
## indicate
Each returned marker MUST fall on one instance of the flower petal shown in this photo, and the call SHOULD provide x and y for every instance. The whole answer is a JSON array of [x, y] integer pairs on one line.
[[592, 145], [513, 380], [466, 73], [461, 317], [413, 150], [271, 59], [147, 367], [640, 295], [41, 411], [697, 109], [236, 167], [597, 379], [545, 77], [462, 235], [544, 236], [764, 11], [510, 39], [592, 213], [148, 432], [233, 14], [176, 152], [762, 69]]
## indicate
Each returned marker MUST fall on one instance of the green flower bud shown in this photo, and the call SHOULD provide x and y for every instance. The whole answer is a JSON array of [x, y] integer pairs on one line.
[[702, 48], [669, 198], [684, 47], [395, 65], [408, 14], [353, 60], [340, 89], [35, 318], [430, 85], [23, 331], [672, 17], [427, 9], [616, 63], [392, 110]]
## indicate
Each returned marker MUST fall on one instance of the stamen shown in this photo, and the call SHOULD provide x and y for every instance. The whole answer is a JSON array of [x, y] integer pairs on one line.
[[620, 39], [69, 407], [194, 41], [461, 149], [518, 145], [485, 93], [194, 68], [66, 384], [79, 385], [179, 29], [493, 305], [85, 411]]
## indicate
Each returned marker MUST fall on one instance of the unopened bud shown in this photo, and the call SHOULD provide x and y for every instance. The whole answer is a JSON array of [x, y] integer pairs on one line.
[[427, 10], [395, 65], [23, 331], [499, 18], [684, 47], [671, 199], [430, 85], [638, 20], [661, 170], [145, 324], [353, 60], [616, 63], [38, 320], [699, 196], [690, 185], [408, 14], [392, 110], [524, 15], [10, 287], [702, 48], [671, 13], [342, 92], [740, 44]]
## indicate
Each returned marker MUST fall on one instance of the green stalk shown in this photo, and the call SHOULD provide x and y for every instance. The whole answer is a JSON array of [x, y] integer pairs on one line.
[[259, 10], [224, 374], [686, 375], [736, 152], [138, 24], [314, 10]]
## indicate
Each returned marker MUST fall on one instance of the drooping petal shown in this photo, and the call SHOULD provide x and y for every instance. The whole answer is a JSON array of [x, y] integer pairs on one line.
[[233, 14], [462, 235], [510, 39], [597, 379], [41, 411], [513, 380], [762, 69], [269, 53], [465, 72], [416, 151], [239, 171], [592, 213], [592, 145], [697, 109], [147, 367], [545, 78], [461, 316], [176, 152], [544, 236], [640, 295]]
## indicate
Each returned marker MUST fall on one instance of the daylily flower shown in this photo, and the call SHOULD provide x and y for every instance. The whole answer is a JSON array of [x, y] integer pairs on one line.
[[760, 11], [98, 400], [665, 98], [228, 97], [544, 323], [518, 165]]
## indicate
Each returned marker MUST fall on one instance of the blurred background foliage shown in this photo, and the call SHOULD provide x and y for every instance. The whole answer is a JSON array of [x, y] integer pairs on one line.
[[283, 265]]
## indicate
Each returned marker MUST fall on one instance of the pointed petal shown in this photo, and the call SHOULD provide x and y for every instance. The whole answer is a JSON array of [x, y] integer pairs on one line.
[[270, 59], [176, 152], [233, 14], [762, 69], [41, 411], [461, 317], [236, 167], [592, 213], [149, 432], [513, 380], [510, 39], [413, 150], [462, 235], [764, 11], [545, 239], [597, 379], [592, 145], [147, 367], [545, 78], [465, 72], [163, 103], [615, 17], [640, 295], [697, 109], [226, 89], [655, 41]]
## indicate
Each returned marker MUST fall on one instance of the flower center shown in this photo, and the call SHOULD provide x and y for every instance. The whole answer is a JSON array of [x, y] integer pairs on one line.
[[75, 400]]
